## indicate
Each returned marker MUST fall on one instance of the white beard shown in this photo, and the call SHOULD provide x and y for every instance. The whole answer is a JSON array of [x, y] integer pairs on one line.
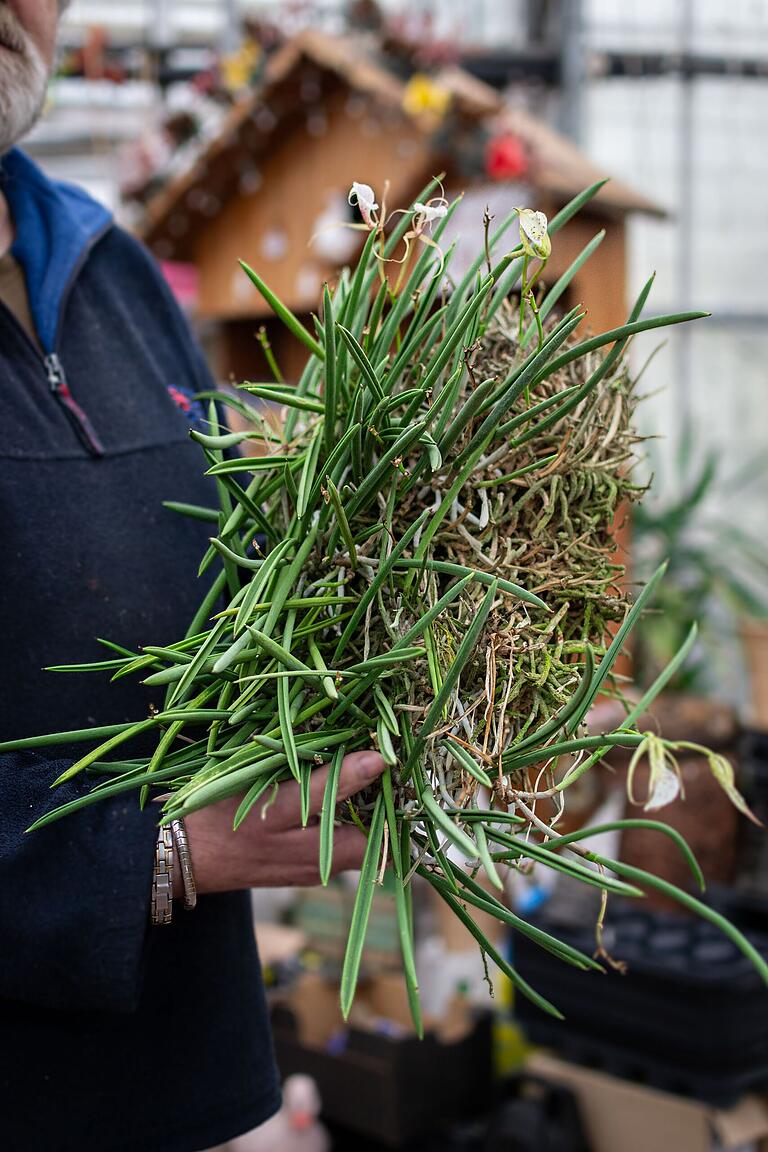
[[23, 81]]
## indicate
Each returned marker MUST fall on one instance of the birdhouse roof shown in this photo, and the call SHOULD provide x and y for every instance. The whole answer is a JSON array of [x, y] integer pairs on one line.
[[558, 169]]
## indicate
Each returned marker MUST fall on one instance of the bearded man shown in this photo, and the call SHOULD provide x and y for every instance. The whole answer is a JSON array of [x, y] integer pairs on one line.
[[117, 1033]]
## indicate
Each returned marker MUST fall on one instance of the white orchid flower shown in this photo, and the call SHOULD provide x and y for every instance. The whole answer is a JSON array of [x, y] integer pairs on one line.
[[365, 198], [665, 787], [665, 782], [435, 210], [533, 233]]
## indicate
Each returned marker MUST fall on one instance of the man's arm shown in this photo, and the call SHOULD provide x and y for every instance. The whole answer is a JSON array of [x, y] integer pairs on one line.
[[75, 894]]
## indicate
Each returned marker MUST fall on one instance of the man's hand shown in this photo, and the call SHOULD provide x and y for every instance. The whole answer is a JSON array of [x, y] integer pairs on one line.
[[270, 849]]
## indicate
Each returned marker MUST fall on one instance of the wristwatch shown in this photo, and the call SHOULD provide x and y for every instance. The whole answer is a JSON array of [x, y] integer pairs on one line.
[[172, 841]]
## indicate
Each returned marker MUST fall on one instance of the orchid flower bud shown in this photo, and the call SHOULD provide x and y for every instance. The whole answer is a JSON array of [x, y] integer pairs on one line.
[[533, 233]]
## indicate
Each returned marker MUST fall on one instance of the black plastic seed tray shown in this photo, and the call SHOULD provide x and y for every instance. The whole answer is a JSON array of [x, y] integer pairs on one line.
[[689, 1016], [368, 1082]]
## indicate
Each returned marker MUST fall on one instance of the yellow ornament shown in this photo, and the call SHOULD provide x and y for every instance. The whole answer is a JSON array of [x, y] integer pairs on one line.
[[238, 69], [422, 96]]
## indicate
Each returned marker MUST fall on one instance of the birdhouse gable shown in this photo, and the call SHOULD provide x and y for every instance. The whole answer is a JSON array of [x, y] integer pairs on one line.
[[271, 186]]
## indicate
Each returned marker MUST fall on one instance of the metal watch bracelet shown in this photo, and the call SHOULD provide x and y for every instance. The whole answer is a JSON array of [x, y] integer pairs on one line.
[[162, 877]]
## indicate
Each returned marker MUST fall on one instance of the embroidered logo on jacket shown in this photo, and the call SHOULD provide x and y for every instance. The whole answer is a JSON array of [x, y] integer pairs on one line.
[[185, 401]]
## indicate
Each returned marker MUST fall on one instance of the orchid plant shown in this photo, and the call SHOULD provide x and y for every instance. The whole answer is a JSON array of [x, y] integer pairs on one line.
[[439, 579]]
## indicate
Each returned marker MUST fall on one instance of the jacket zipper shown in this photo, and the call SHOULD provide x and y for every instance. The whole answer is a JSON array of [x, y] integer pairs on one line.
[[57, 382]]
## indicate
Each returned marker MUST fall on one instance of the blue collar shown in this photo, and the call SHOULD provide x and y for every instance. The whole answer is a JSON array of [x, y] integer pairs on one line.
[[56, 226]]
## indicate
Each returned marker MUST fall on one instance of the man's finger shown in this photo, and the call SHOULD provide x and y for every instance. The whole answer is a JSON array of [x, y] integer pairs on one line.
[[358, 770], [302, 846], [348, 849]]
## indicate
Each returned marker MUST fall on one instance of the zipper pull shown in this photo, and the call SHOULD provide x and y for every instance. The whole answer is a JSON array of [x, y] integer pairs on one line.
[[57, 382], [56, 377]]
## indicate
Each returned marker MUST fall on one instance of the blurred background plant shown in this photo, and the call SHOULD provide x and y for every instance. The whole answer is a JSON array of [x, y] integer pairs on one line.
[[718, 571]]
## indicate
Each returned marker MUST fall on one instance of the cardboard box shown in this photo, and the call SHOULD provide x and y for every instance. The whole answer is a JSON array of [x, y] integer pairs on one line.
[[375, 1077], [620, 1116], [324, 915]]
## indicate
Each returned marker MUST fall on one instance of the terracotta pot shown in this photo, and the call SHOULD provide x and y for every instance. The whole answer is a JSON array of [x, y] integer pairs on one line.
[[754, 635], [705, 818]]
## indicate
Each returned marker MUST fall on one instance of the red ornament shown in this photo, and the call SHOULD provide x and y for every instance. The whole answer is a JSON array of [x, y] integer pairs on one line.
[[505, 158]]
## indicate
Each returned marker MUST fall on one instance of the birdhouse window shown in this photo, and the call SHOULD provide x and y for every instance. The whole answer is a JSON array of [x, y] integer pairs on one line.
[[274, 244], [310, 89], [317, 123], [264, 118], [241, 287], [308, 283], [249, 179], [333, 241], [356, 106]]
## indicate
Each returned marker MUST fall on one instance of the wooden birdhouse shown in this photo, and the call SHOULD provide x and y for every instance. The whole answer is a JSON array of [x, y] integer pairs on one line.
[[272, 187]]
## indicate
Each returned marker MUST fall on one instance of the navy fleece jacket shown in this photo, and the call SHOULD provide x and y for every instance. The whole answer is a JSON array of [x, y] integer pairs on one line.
[[113, 1035]]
